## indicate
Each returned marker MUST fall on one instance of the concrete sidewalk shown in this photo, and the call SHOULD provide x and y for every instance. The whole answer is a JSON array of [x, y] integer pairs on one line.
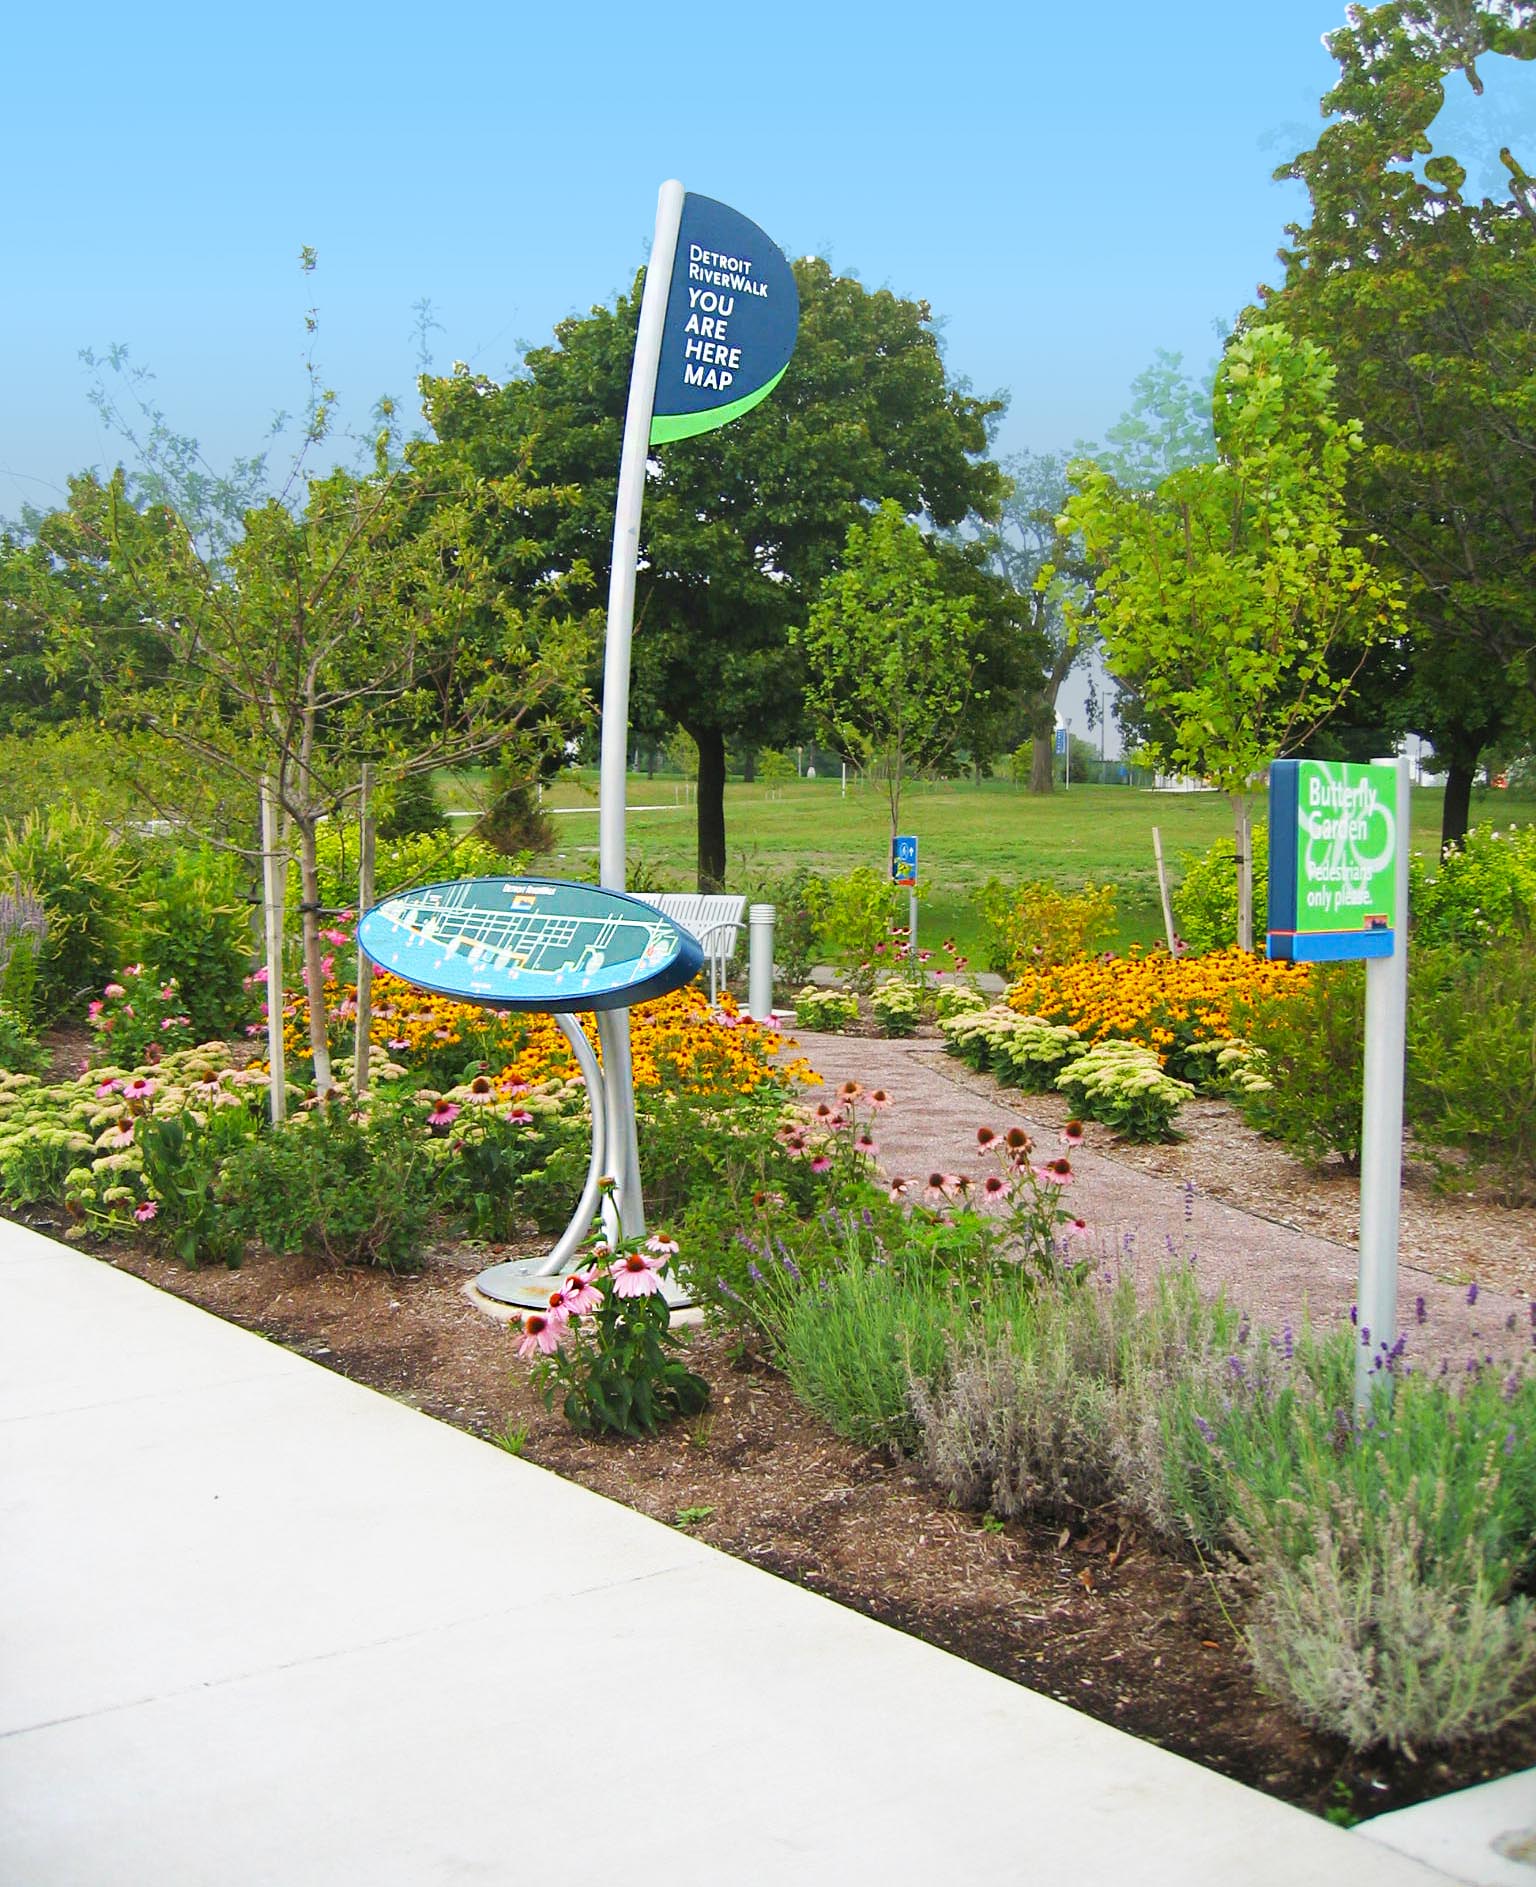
[[263, 1625]]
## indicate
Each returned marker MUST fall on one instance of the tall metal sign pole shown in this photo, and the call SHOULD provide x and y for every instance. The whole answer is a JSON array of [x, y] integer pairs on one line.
[[613, 1026], [1338, 890], [718, 318]]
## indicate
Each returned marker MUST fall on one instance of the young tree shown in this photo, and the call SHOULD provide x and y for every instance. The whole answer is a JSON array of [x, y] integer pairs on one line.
[[1423, 290], [891, 653], [742, 524], [365, 628], [1229, 596]]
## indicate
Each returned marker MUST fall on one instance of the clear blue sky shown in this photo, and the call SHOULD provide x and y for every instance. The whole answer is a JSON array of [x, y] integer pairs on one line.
[[1069, 187]]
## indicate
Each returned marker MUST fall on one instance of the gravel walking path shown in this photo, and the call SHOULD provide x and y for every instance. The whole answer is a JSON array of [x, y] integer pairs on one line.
[[1274, 1271]]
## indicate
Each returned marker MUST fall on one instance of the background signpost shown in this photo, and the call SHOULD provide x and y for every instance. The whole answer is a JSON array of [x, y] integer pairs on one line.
[[1338, 891], [904, 872]]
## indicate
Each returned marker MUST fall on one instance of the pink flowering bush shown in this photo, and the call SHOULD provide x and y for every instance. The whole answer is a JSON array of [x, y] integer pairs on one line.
[[606, 1340], [139, 1016]]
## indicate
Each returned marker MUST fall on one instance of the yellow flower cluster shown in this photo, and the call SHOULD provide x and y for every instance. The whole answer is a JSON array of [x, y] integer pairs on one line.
[[1155, 999], [677, 1042]]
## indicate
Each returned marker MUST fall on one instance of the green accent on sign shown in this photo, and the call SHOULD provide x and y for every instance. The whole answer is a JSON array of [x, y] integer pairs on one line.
[[1346, 841], [669, 426]]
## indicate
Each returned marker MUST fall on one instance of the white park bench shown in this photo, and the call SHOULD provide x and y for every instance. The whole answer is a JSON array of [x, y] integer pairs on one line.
[[714, 918]]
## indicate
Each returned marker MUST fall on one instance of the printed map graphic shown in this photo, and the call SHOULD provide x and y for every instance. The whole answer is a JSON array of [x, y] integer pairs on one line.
[[529, 943]]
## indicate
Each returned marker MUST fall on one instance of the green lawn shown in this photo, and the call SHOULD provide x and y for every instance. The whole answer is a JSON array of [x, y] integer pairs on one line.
[[967, 833]]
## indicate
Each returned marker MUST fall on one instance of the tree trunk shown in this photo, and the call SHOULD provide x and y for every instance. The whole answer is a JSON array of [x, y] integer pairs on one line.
[[1241, 834], [711, 807], [314, 981], [1042, 764], [1456, 813]]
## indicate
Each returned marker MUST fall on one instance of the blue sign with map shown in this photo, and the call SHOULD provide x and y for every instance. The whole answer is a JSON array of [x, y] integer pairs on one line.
[[733, 311], [530, 943], [904, 859]]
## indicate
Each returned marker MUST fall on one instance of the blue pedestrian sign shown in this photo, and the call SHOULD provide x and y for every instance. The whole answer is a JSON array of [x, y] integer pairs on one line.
[[1061, 740], [904, 860]]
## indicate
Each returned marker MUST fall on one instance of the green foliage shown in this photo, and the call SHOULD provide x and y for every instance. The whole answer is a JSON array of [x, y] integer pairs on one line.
[[618, 1363], [84, 879], [856, 917], [1205, 903], [20, 1051], [408, 807], [890, 652], [1481, 890], [1471, 1083], [138, 1018], [897, 1005], [1310, 1046], [1124, 1085], [1033, 924], [337, 1188], [415, 858], [1022, 1051], [1425, 296], [23, 934], [180, 1157], [828, 1011], [193, 929], [957, 999], [796, 897], [1229, 598]]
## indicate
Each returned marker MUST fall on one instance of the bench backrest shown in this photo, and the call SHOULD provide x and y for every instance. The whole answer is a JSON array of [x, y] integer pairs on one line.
[[713, 917]]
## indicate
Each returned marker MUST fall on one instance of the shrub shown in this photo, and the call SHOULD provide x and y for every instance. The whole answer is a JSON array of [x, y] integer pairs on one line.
[[1205, 903], [180, 1157], [1022, 1051], [855, 917], [797, 897], [825, 1010], [1309, 1046], [1481, 891], [20, 1050], [957, 999], [335, 1187], [1471, 1081], [1035, 924], [83, 877], [194, 929], [416, 858], [897, 1005], [1124, 1085]]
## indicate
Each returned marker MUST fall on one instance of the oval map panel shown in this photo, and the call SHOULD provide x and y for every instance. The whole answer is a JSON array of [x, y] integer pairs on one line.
[[530, 943]]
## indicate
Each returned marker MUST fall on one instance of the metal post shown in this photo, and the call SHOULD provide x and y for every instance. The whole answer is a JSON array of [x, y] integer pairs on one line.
[[613, 1024], [363, 1029], [760, 961], [912, 923], [272, 890], [1381, 1131]]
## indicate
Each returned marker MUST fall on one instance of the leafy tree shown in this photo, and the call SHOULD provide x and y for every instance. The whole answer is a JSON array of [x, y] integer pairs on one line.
[[740, 525], [1229, 596], [353, 631], [891, 653], [1426, 300]]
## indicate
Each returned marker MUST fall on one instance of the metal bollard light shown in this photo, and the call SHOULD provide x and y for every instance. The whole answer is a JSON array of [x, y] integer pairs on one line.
[[760, 961]]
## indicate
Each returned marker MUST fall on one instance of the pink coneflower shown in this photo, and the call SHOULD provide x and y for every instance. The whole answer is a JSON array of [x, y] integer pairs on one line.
[[518, 1117], [1054, 1173], [823, 1112], [849, 1091], [863, 1144], [936, 1191], [114, 990], [878, 1099], [662, 1244], [897, 1189], [635, 1275], [140, 1088], [444, 1113], [481, 1090], [397, 1042], [559, 1306], [1072, 1134], [106, 1088], [1017, 1141], [984, 1136], [582, 1296], [146, 1211], [601, 1252], [167, 991], [994, 1186], [93, 1010], [822, 1163], [1075, 1228], [541, 1335], [119, 1136], [327, 967]]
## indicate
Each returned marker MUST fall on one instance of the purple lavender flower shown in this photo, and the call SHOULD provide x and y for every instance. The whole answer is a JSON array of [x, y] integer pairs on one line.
[[1472, 1293], [1207, 1433], [1235, 1365], [1509, 1442], [754, 1276], [1287, 1343], [1420, 1312], [1354, 1313]]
